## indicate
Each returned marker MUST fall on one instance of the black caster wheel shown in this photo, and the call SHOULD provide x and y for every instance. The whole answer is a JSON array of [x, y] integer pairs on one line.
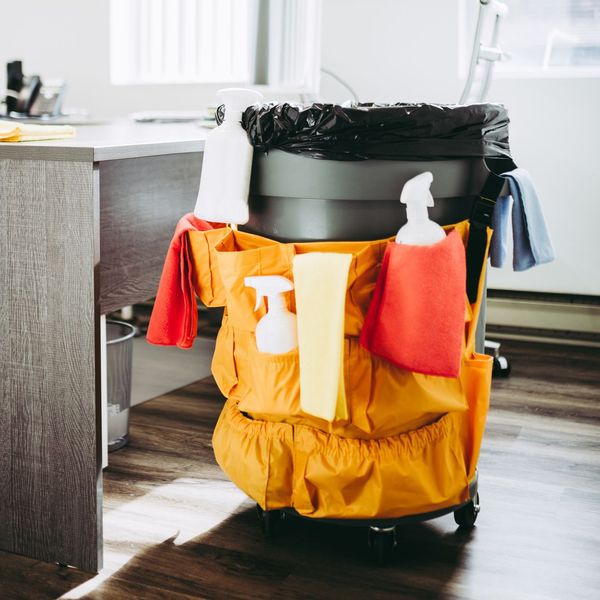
[[467, 514], [501, 367], [270, 520], [382, 542]]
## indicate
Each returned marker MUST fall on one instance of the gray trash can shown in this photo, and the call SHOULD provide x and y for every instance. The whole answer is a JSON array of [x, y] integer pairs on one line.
[[119, 351]]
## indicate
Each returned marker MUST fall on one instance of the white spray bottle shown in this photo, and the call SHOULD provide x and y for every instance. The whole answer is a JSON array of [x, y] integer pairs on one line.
[[227, 163], [419, 230], [277, 331]]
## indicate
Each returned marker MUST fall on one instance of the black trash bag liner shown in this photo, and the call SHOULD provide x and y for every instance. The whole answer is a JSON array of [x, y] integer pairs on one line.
[[392, 132]]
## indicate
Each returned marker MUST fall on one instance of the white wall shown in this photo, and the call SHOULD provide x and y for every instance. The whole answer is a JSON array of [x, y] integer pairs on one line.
[[408, 50], [555, 125], [388, 50]]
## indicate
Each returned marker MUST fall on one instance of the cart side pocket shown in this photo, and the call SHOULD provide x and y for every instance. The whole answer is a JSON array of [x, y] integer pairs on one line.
[[223, 365], [275, 385], [476, 380], [256, 456], [411, 473], [385, 399]]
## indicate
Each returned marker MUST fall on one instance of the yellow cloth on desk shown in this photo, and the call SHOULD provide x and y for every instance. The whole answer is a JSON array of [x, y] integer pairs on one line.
[[320, 280], [11, 131]]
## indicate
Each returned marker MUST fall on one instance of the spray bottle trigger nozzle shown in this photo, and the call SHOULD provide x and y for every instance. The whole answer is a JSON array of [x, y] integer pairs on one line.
[[259, 301], [271, 286], [416, 189], [419, 229]]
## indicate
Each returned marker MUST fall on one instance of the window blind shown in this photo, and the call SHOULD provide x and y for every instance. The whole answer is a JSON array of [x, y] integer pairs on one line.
[[179, 41], [270, 42]]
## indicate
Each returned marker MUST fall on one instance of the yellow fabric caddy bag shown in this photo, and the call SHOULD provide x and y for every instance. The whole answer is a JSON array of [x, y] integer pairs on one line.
[[410, 443]]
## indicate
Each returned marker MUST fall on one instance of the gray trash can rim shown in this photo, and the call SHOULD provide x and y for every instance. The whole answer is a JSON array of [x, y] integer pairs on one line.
[[123, 338]]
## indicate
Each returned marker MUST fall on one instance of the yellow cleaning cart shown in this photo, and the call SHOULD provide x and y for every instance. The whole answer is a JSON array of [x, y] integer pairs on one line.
[[409, 446]]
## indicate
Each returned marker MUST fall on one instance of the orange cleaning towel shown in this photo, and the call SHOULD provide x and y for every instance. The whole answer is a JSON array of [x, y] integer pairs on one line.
[[174, 319], [417, 313]]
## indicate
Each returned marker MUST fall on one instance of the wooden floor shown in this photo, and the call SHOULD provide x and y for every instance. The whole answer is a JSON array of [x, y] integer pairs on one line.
[[176, 529]]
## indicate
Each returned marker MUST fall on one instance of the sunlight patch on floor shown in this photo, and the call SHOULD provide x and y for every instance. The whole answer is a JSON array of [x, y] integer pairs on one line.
[[181, 510]]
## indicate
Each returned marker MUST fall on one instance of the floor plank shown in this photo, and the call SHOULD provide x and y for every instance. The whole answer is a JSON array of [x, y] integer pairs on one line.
[[176, 528]]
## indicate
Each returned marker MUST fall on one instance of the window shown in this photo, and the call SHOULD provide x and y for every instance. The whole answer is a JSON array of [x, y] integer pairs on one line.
[[553, 37], [265, 42]]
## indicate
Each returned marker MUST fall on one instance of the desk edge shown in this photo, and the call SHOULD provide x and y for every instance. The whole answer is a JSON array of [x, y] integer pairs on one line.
[[29, 151]]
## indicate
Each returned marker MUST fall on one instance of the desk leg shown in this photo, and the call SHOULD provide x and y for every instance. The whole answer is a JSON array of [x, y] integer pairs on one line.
[[50, 475]]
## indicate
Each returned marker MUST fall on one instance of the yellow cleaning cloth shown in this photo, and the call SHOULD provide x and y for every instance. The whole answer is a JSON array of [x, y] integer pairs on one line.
[[320, 281], [10, 131]]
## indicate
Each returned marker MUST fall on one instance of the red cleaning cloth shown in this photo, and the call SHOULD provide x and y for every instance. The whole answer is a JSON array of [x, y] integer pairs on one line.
[[416, 319], [174, 319]]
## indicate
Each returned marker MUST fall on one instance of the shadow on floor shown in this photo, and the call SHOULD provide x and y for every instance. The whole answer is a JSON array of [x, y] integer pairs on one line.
[[305, 559], [24, 578]]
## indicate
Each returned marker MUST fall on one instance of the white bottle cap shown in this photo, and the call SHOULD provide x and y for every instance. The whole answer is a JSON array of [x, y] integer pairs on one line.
[[237, 100], [419, 230]]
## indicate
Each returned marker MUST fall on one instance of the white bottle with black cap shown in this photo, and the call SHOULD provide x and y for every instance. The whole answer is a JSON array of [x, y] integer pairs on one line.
[[227, 163]]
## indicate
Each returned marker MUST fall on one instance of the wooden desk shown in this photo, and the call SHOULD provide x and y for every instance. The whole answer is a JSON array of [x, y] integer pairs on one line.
[[84, 228]]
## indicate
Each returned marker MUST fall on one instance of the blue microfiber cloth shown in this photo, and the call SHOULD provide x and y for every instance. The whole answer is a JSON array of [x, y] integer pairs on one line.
[[499, 243], [531, 241]]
